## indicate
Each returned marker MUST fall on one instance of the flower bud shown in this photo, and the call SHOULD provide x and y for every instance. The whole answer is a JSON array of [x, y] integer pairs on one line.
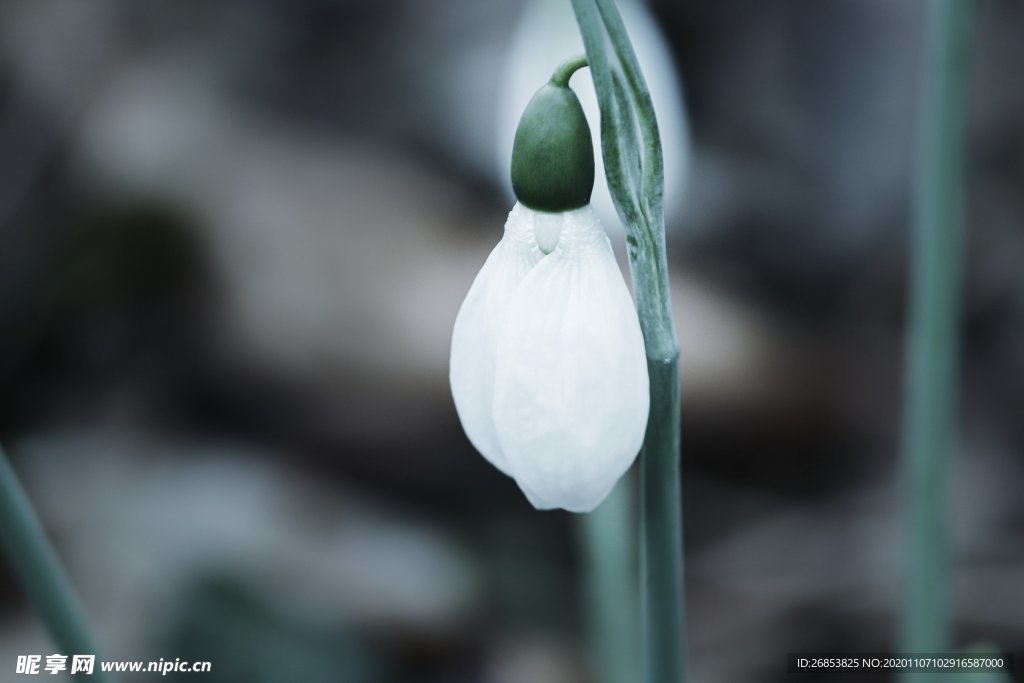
[[553, 154]]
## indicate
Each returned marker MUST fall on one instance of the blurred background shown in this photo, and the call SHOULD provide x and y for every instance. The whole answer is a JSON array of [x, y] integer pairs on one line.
[[233, 240]]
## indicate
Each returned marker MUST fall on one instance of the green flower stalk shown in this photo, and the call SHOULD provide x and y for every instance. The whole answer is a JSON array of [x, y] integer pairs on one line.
[[608, 545], [931, 349], [38, 569]]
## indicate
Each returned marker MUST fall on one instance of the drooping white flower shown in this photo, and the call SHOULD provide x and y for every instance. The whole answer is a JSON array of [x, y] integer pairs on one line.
[[548, 369]]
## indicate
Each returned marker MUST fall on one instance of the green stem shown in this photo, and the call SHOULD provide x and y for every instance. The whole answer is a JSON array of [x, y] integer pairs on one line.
[[631, 148], [661, 548], [566, 69], [609, 547], [39, 571], [932, 346]]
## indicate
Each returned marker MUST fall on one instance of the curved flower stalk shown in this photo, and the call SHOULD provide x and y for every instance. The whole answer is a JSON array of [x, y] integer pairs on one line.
[[548, 369]]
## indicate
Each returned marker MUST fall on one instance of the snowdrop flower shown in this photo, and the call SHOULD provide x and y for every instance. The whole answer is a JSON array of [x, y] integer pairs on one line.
[[548, 369]]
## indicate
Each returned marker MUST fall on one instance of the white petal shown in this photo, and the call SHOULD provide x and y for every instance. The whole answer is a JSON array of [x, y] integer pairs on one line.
[[570, 385], [471, 369]]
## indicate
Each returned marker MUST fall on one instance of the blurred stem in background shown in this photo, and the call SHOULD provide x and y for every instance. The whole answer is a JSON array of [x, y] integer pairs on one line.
[[631, 148], [931, 348], [609, 544], [37, 567]]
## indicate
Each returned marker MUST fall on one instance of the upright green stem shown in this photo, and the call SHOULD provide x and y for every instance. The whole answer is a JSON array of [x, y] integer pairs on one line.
[[662, 529], [631, 148], [609, 547], [40, 573], [931, 350]]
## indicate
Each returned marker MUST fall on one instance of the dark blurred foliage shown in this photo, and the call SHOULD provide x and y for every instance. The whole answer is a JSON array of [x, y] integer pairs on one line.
[[233, 238]]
